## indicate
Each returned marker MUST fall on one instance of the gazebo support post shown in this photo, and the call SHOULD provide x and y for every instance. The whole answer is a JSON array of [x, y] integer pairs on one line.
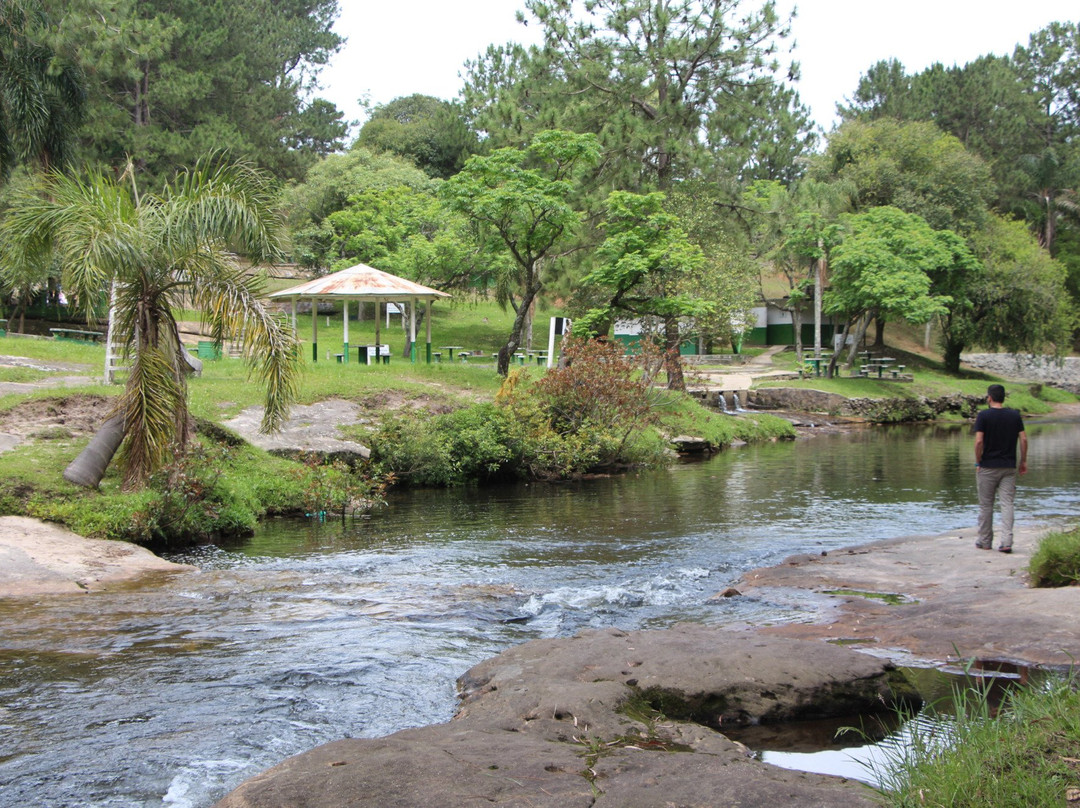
[[427, 325], [412, 330], [345, 349], [378, 317]]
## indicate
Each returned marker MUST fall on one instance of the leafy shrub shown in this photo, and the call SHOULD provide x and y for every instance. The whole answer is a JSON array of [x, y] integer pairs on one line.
[[465, 445], [1056, 561], [335, 487], [592, 413]]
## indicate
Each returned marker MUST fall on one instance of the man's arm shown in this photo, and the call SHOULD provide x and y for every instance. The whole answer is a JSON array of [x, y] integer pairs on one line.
[[1023, 452], [978, 447]]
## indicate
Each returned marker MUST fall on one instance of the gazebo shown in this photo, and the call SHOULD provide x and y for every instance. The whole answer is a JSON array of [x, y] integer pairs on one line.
[[362, 283]]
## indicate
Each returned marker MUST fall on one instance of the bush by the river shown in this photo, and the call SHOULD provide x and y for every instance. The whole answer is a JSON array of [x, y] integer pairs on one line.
[[599, 413], [1056, 561], [219, 489]]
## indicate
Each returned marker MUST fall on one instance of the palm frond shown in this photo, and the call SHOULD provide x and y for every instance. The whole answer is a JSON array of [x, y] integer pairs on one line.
[[236, 309], [152, 403]]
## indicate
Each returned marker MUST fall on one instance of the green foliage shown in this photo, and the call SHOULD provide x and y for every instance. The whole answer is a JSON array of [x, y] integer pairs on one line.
[[42, 90], [645, 264], [1021, 753], [336, 488], [519, 202], [158, 252], [666, 87], [177, 78], [884, 264], [469, 445], [1056, 561], [433, 134], [1017, 300], [911, 166]]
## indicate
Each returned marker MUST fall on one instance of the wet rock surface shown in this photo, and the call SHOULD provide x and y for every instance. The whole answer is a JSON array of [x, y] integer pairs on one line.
[[952, 602], [605, 718]]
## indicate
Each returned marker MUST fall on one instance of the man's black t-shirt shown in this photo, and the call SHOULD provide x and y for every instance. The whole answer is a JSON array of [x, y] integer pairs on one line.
[[1001, 427]]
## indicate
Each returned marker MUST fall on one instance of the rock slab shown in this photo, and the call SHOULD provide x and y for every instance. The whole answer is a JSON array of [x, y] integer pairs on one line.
[[39, 558], [606, 718]]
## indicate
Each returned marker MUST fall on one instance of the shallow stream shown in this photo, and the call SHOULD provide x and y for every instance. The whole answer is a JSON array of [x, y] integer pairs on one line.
[[172, 694]]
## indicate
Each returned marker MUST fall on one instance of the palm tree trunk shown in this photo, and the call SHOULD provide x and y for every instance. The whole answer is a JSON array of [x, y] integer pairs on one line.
[[89, 467]]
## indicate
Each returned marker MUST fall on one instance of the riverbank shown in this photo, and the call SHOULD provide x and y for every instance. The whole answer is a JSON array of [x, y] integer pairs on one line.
[[38, 558], [599, 719]]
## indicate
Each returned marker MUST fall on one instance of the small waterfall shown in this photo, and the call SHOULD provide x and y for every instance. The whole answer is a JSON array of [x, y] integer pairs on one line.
[[738, 407], [721, 402]]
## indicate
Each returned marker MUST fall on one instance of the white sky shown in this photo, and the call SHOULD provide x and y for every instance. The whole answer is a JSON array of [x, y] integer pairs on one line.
[[420, 46]]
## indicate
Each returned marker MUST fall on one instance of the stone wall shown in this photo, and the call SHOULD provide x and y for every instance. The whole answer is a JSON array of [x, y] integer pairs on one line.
[[1045, 369], [878, 410]]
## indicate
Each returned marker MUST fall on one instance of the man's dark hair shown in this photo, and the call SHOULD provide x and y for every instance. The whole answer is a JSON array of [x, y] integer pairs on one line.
[[996, 393]]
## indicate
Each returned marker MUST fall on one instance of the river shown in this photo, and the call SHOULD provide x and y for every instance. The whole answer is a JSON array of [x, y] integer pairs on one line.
[[172, 694]]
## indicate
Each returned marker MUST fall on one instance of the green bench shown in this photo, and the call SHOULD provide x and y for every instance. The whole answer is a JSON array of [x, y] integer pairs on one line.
[[76, 335]]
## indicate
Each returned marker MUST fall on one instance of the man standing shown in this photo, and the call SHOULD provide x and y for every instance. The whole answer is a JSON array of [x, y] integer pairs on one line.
[[996, 433]]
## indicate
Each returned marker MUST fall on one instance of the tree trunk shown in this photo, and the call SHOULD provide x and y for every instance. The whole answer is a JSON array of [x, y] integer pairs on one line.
[[796, 324], [672, 360], [89, 467], [860, 335], [819, 284], [831, 372], [951, 355], [507, 350], [879, 332]]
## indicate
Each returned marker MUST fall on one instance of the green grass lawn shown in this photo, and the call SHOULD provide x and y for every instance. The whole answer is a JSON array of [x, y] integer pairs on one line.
[[930, 380]]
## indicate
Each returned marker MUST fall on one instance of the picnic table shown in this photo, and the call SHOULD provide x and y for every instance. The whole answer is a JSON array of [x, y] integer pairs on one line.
[[816, 361], [76, 335], [450, 350], [881, 364], [365, 353]]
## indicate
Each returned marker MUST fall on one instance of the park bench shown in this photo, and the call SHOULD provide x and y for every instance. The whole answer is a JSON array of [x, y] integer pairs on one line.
[[76, 335]]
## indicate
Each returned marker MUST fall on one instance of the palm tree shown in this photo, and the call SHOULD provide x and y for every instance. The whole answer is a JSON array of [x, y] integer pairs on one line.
[[160, 253]]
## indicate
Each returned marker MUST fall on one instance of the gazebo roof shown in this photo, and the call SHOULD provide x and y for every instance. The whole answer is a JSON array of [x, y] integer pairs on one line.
[[361, 281]]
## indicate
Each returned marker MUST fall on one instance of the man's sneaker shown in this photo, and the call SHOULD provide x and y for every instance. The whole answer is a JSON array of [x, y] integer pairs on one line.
[[1003, 549], [983, 546]]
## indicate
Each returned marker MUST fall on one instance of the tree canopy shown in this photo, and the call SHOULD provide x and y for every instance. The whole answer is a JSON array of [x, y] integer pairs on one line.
[[670, 88]]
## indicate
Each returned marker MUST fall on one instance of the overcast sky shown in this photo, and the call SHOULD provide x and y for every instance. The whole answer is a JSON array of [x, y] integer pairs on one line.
[[420, 46]]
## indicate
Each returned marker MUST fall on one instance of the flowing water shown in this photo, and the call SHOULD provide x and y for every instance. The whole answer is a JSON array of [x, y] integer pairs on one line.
[[171, 694]]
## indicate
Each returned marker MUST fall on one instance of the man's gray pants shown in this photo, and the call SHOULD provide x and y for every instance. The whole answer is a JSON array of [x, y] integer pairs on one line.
[[1002, 483]]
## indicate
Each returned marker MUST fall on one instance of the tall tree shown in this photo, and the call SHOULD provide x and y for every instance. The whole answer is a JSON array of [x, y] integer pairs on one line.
[[797, 227], [883, 267], [1016, 298], [430, 132], [1050, 66], [160, 251], [658, 82], [519, 199], [173, 79], [42, 90], [645, 269]]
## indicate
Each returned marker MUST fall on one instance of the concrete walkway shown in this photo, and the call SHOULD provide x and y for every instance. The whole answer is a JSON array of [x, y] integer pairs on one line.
[[724, 378]]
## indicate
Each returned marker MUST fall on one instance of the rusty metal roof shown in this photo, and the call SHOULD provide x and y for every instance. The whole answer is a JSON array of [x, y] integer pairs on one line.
[[361, 281]]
